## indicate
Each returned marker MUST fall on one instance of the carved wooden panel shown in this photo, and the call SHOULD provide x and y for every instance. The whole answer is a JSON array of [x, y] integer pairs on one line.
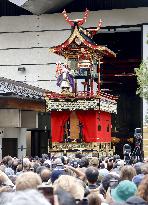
[[74, 126]]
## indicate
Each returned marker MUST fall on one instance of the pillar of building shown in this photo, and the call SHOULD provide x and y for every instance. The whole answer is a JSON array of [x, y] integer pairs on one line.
[[22, 142], [145, 102]]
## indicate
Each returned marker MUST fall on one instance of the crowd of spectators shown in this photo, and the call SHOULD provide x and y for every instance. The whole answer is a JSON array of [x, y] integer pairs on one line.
[[75, 180]]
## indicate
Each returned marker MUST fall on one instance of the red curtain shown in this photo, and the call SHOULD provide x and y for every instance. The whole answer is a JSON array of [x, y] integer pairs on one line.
[[58, 120], [104, 135], [88, 120]]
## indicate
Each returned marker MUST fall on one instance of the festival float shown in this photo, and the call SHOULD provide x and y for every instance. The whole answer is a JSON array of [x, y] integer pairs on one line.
[[81, 113]]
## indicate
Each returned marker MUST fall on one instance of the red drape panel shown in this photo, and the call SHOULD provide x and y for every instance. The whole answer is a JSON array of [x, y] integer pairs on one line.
[[88, 120], [107, 118], [58, 120], [104, 135]]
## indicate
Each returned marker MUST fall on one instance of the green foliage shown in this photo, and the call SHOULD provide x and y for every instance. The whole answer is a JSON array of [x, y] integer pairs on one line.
[[142, 79]]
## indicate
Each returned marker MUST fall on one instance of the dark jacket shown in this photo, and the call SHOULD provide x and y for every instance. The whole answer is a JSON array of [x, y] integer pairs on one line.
[[135, 200]]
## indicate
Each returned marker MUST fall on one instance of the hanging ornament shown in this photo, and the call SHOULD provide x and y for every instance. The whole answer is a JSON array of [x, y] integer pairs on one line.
[[78, 41]]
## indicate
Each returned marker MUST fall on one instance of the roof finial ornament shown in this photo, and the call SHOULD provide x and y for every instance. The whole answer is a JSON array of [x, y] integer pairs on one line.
[[94, 31], [78, 21]]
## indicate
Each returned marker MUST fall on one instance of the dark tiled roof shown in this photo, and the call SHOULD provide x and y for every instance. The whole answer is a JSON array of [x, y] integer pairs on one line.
[[14, 88]]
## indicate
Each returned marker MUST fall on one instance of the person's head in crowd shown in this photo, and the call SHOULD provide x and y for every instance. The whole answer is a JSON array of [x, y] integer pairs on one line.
[[84, 162], [120, 163], [108, 181], [146, 159], [56, 173], [19, 168], [92, 174], [37, 158], [71, 185], [123, 191], [31, 197], [135, 200], [106, 160], [137, 167], [94, 162], [57, 164], [45, 175], [110, 159], [26, 160], [39, 169], [94, 199], [6, 189], [144, 168], [6, 159], [58, 161], [64, 197], [74, 163], [45, 156], [28, 180], [64, 160], [78, 155], [2, 179], [102, 166], [10, 163], [35, 166], [127, 173], [41, 161], [143, 189], [102, 173], [109, 166], [138, 178], [26, 164], [116, 203], [15, 164], [2, 168], [47, 191], [114, 158], [47, 163], [5, 181]]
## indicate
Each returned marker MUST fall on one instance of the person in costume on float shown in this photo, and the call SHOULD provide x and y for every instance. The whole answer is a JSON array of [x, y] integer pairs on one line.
[[64, 79]]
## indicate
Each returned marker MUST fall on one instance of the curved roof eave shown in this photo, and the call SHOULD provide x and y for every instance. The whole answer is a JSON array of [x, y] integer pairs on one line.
[[102, 49]]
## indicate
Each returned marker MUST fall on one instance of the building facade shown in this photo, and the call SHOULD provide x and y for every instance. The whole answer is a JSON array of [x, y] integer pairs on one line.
[[24, 54]]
